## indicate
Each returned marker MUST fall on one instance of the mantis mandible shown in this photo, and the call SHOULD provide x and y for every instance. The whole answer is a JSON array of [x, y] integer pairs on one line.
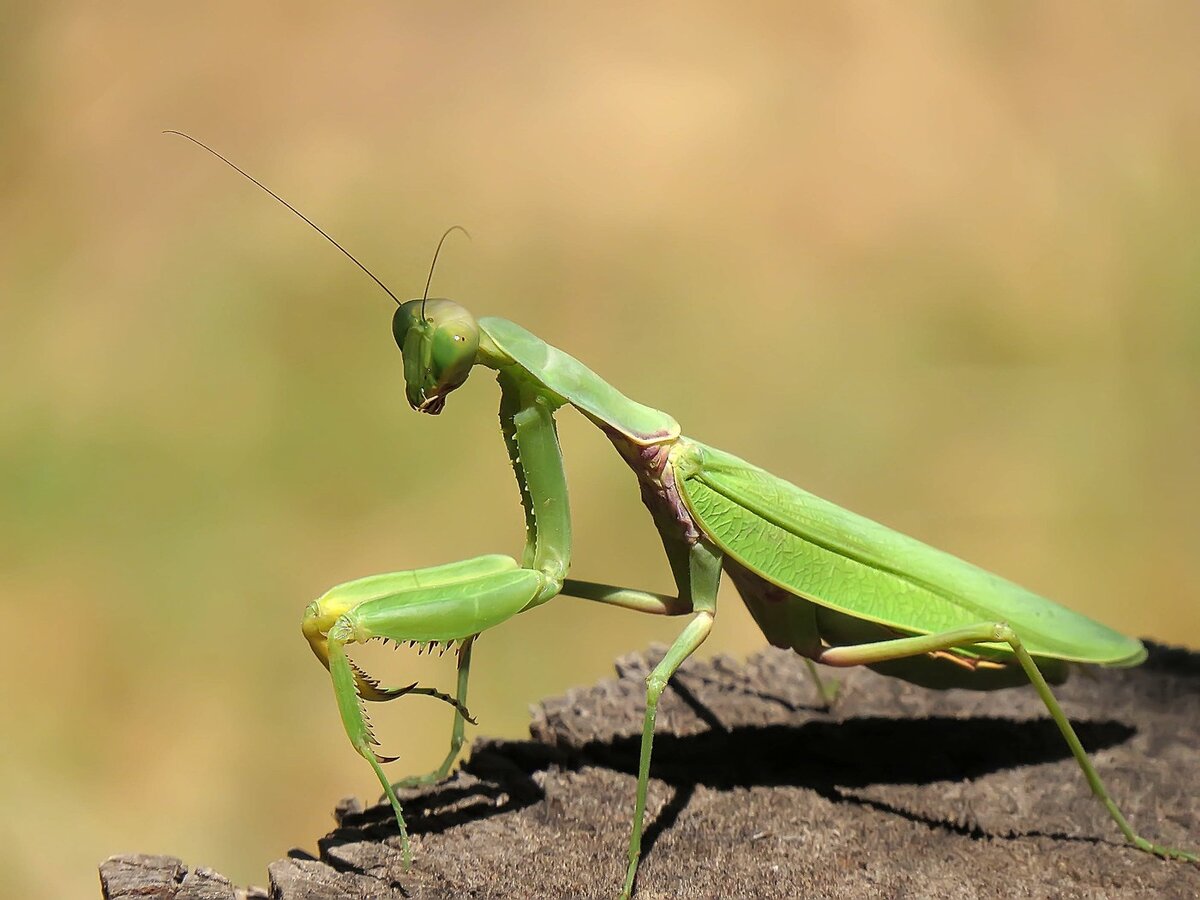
[[835, 587]]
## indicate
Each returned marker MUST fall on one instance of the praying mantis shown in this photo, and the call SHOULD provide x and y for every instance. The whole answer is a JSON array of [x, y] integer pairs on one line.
[[835, 587]]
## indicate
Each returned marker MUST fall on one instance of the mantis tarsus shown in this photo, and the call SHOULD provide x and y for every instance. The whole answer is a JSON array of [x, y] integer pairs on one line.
[[837, 588]]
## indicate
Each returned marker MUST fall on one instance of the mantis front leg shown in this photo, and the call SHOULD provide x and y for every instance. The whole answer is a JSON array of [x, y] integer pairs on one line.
[[530, 436], [455, 602], [456, 730], [441, 605], [527, 423]]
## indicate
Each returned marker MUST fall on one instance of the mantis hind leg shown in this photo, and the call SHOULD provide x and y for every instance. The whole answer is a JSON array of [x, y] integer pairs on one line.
[[901, 648], [1089, 772], [827, 690]]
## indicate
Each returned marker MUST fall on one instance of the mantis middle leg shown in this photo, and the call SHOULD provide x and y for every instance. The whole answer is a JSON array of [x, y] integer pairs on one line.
[[698, 580]]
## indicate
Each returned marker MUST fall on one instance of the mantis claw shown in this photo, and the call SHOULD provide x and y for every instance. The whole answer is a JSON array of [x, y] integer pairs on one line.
[[369, 689], [428, 609], [445, 698]]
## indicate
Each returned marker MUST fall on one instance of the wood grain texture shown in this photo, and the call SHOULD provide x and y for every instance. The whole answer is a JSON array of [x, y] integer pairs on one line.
[[757, 792]]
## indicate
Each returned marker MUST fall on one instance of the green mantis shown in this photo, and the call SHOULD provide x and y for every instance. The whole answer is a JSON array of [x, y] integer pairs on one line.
[[837, 588]]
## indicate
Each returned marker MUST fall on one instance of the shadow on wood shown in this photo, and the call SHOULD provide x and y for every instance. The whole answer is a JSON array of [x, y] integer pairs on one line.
[[757, 792]]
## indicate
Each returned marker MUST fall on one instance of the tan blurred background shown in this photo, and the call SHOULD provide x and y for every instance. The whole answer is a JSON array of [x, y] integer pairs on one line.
[[939, 263]]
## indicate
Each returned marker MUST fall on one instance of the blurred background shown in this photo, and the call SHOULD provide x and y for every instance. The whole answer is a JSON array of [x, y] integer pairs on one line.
[[939, 263]]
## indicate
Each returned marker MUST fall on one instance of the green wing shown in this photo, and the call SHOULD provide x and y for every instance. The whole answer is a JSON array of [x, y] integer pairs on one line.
[[846, 562]]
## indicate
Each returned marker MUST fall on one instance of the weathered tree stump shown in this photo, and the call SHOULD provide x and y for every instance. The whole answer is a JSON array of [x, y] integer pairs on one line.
[[759, 792]]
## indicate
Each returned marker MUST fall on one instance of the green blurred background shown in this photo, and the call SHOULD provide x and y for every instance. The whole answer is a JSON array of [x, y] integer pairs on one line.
[[937, 262]]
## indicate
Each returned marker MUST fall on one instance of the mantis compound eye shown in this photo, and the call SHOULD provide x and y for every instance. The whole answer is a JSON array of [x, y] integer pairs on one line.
[[455, 345]]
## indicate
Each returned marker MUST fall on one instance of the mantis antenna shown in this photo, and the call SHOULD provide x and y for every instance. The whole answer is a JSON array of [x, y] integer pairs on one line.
[[321, 231], [429, 280]]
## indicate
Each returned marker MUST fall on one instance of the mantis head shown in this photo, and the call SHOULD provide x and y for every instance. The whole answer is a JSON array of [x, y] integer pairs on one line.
[[439, 341]]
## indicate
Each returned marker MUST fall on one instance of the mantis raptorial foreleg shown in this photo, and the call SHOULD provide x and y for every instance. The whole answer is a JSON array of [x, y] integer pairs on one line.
[[456, 730], [441, 605], [454, 602], [997, 632]]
